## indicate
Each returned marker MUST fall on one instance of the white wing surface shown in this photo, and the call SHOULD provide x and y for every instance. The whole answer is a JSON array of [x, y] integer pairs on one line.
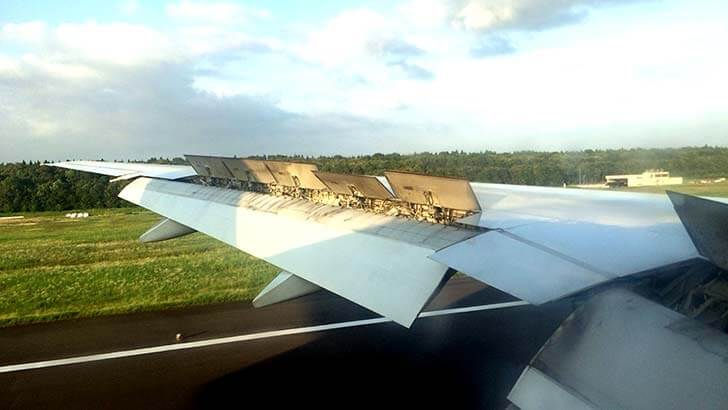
[[550, 242], [126, 170]]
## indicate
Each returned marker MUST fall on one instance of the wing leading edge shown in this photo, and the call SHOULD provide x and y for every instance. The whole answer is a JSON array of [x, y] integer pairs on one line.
[[128, 170]]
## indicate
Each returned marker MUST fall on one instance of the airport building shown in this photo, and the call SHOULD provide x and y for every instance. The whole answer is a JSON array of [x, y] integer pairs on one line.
[[647, 178]]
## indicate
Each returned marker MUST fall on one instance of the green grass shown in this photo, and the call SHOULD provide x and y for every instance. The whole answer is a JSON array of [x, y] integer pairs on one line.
[[689, 187], [52, 267]]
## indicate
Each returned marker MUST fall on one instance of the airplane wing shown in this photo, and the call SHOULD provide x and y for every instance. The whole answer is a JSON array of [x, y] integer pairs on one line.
[[389, 243]]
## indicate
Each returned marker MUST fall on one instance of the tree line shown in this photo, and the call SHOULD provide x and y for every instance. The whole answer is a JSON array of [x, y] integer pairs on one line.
[[30, 186]]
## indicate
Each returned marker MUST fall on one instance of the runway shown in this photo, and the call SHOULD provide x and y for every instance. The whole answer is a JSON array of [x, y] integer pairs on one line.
[[318, 350]]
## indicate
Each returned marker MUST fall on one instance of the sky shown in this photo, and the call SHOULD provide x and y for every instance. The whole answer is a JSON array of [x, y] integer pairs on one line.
[[133, 79]]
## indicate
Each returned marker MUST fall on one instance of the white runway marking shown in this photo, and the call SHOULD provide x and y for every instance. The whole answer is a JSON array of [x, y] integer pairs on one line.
[[241, 338]]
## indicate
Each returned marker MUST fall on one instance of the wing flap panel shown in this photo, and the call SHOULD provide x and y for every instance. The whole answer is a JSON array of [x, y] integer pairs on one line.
[[534, 274]]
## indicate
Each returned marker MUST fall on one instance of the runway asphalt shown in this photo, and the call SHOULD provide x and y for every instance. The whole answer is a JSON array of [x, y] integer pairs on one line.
[[458, 360]]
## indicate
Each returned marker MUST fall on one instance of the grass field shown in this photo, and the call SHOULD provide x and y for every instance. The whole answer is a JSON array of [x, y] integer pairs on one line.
[[689, 187], [52, 267]]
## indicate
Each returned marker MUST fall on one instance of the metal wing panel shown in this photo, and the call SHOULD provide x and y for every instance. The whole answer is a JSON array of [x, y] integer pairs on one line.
[[503, 203], [619, 251], [391, 277], [534, 274], [612, 234], [118, 169]]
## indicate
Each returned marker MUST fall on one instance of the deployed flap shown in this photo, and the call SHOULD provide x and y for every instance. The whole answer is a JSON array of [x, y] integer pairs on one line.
[[285, 286], [253, 170], [534, 274], [349, 252], [622, 351], [165, 229], [357, 185], [295, 174], [444, 192], [130, 170], [707, 223], [209, 166]]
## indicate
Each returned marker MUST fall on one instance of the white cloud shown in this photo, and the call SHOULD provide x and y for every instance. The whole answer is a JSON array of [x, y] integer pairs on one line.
[[117, 43], [136, 90], [63, 70], [345, 38], [220, 13], [9, 67], [366, 44], [490, 15], [32, 32], [210, 39], [142, 111], [425, 13], [483, 15]]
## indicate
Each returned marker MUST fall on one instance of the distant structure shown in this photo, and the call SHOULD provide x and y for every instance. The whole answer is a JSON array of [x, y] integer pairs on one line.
[[647, 178], [77, 215]]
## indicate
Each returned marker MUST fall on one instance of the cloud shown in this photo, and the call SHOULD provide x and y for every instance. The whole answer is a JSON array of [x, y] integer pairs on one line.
[[9, 67], [140, 111], [414, 71], [119, 90], [425, 13], [219, 13], [117, 43], [348, 37], [492, 15], [368, 45], [492, 46], [32, 32], [221, 41], [395, 47]]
